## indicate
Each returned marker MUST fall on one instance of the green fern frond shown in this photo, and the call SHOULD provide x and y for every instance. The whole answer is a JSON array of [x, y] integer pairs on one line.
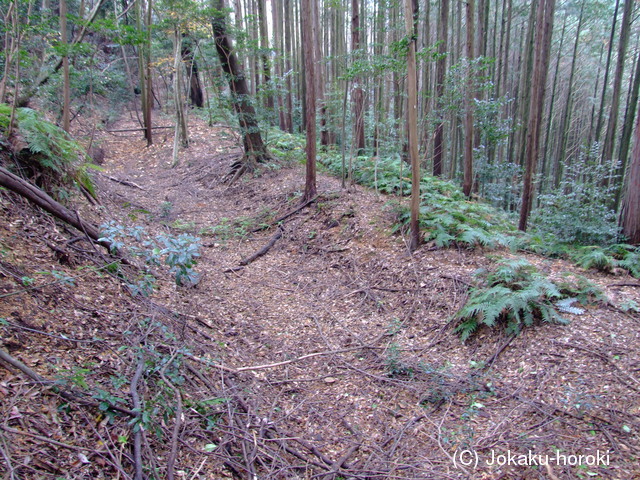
[[595, 257], [514, 295]]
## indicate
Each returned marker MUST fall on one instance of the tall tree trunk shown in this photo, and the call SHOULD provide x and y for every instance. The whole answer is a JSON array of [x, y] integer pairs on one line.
[[308, 45], [612, 124], [358, 94], [630, 215], [196, 95], [254, 148], [625, 139], [181, 133], [607, 69], [544, 32], [325, 136], [412, 125], [66, 96], [467, 181], [287, 66], [547, 136], [266, 64], [565, 119], [441, 69]]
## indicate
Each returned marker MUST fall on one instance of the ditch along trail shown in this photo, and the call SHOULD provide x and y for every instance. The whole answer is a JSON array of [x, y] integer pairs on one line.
[[331, 356]]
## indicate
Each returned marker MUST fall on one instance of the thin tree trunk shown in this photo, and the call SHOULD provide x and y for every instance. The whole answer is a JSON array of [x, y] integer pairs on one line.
[[181, 135], [66, 96], [467, 181], [358, 94], [412, 126], [287, 66], [565, 119], [441, 69], [607, 69], [308, 45], [196, 95], [266, 64]]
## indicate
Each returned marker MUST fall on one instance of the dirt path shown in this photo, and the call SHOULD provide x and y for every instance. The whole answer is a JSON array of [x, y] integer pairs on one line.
[[333, 355]]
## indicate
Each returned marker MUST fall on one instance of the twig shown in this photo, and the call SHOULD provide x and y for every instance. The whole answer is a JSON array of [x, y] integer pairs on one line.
[[493, 357], [624, 284], [137, 406], [178, 423], [136, 129], [44, 439], [69, 395], [264, 249], [456, 279]]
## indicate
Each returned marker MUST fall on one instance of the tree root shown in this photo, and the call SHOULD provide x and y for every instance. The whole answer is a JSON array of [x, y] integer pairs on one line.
[[245, 164]]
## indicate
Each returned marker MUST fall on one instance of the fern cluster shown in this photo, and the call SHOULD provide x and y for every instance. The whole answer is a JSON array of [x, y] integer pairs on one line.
[[514, 295], [606, 259], [52, 157]]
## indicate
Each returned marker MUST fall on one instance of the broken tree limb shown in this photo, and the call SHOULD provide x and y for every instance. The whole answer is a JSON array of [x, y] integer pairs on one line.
[[125, 182], [44, 201], [139, 129], [264, 249], [287, 215]]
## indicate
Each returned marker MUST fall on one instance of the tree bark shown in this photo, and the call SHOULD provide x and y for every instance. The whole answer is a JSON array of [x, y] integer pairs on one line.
[[467, 182], [38, 197], [196, 95], [544, 32], [630, 217], [625, 139], [66, 96], [412, 125], [358, 95], [612, 124], [308, 41], [441, 69]]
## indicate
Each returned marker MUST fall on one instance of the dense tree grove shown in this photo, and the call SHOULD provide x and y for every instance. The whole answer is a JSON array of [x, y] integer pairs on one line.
[[522, 102]]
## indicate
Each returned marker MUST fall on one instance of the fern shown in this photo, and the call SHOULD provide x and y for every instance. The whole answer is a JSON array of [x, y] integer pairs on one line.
[[595, 257], [51, 151], [513, 295]]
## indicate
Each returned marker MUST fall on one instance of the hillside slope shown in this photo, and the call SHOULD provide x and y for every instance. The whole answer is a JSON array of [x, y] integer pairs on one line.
[[330, 356]]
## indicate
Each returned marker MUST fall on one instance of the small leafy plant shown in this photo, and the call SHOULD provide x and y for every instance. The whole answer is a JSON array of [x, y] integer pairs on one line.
[[180, 253], [513, 295]]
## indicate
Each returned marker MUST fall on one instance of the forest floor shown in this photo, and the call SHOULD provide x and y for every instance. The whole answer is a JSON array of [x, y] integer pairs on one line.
[[331, 356]]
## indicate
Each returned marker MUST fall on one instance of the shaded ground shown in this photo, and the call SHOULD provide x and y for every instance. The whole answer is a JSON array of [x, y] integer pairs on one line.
[[332, 356]]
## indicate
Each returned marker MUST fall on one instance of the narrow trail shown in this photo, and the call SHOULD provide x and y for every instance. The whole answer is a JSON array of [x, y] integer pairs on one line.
[[331, 356], [337, 280]]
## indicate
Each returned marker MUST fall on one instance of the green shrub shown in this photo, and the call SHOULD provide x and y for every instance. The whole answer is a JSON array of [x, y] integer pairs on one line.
[[578, 211]]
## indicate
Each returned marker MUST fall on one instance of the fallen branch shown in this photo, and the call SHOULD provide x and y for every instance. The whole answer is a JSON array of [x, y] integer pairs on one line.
[[68, 395], [125, 182], [264, 249], [44, 201], [135, 129], [286, 215], [44, 439]]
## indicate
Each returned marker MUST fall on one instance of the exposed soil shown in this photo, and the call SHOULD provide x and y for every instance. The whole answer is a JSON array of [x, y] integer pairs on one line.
[[331, 356]]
